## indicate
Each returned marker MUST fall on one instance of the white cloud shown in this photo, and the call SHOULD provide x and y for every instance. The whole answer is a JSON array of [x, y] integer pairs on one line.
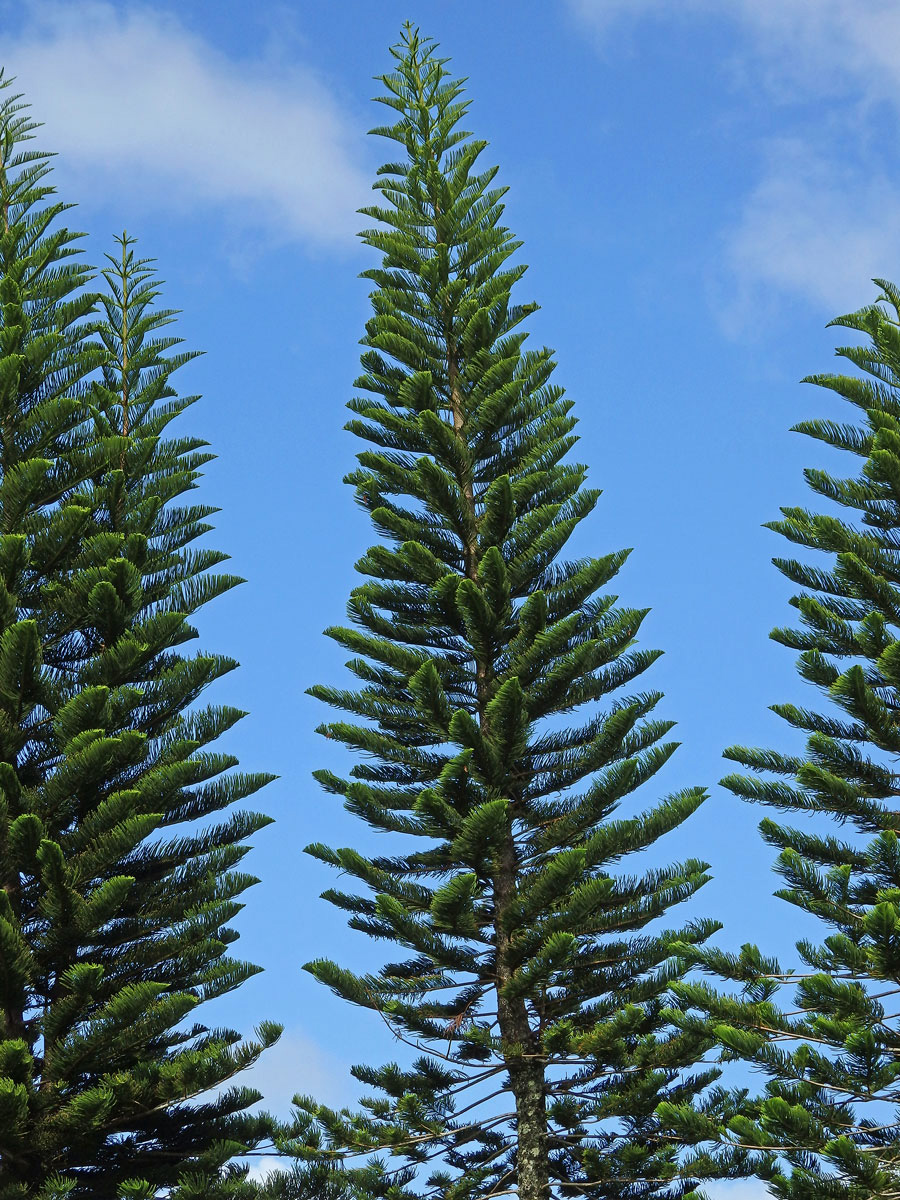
[[296, 1064], [813, 228], [602, 15], [145, 110], [261, 1169], [736, 1189], [825, 45], [824, 214], [855, 40]]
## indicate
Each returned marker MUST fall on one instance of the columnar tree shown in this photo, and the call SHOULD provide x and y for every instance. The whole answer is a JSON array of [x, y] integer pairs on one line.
[[116, 894], [826, 1032], [532, 969]]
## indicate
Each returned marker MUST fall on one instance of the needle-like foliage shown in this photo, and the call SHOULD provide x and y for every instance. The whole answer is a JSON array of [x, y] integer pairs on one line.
[[826, 1033], [116, 893], [533, 967]]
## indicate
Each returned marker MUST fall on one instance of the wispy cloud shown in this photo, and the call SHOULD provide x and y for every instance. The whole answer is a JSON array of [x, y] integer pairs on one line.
[[298, 1065], [815, 228], [824, 213], [857, 42], [737, 1189], [146, 110], [261, 1169], [295, 1065]]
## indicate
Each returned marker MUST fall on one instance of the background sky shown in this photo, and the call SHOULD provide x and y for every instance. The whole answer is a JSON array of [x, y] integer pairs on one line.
[[700, 186]]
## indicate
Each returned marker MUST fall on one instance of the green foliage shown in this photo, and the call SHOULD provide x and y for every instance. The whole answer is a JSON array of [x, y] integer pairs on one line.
[[532, 977], [114, 920], [826, 1125]]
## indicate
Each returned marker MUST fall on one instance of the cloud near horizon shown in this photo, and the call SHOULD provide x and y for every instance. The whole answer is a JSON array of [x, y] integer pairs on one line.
[[823, 216], [142, 109]]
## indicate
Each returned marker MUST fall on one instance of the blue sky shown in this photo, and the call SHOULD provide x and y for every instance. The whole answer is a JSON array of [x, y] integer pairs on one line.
[[698, 194]]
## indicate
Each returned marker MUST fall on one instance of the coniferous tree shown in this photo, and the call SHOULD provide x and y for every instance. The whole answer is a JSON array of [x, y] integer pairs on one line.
[[115, 894], [529, 977], [826, 1032]]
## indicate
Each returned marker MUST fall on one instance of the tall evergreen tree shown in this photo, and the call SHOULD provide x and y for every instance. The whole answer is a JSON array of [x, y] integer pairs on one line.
[[530, 977], [827, 1033], [115, 894]]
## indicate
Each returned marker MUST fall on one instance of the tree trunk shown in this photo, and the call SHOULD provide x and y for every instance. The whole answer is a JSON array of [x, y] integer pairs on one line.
[[522, 1051], [526, 1067]]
